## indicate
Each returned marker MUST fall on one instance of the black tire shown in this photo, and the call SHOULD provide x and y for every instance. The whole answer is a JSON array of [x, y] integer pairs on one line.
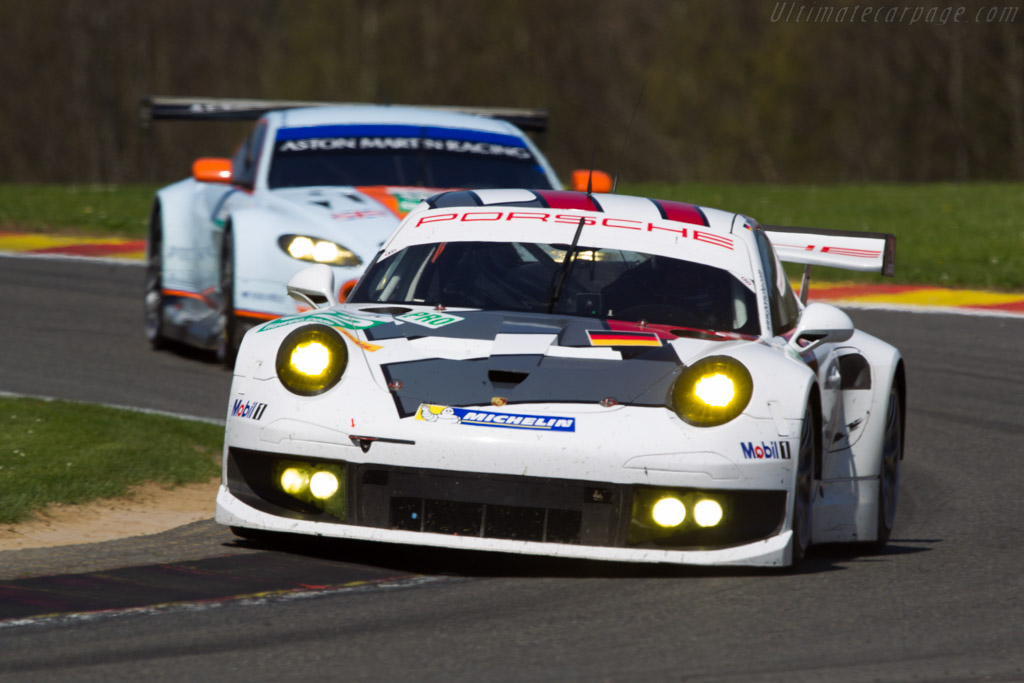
[[251, 534], [889, 474], [803, 489], [153, 301], [230, 333]]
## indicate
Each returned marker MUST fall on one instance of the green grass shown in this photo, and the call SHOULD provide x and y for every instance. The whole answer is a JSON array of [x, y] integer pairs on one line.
[[956, 235], [119, 210], [57, 452]]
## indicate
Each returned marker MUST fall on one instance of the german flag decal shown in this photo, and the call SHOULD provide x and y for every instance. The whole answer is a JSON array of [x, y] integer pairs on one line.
[[609, 338]]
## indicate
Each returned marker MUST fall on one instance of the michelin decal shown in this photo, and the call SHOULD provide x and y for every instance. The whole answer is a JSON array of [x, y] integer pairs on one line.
[[488, 418]]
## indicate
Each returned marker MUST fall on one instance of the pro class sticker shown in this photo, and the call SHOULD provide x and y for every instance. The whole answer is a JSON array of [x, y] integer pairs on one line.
[[488, 418], [429, 319]]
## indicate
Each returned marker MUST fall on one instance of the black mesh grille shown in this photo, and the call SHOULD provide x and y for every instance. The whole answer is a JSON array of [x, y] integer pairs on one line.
[[489, 521]]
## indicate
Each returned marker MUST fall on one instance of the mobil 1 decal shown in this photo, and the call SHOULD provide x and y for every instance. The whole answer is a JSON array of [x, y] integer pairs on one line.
[[248, 409], [765, 450]]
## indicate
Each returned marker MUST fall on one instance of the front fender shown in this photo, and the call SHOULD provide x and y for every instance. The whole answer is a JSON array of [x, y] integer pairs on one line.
[[189, 251]]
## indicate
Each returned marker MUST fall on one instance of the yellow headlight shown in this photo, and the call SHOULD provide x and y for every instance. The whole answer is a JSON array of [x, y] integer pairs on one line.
[[311, 360], [294, 480], [707, 513], [323, 485], [668, 512], [716, 390], [712, 391]]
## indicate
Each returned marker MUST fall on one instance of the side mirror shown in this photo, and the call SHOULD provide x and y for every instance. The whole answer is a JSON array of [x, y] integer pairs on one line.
[[820, 324], [599, 182], [212, 170], [313, 286]]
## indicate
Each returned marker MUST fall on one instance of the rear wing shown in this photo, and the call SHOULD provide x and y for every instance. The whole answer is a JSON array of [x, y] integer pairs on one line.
[[871, 252], [156, 107]]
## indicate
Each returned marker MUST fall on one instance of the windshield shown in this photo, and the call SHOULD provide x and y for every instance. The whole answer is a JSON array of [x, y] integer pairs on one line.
[[599, 283], [402, 155]]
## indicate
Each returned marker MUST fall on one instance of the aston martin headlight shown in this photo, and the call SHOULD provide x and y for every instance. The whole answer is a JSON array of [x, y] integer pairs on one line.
[[712, 391], [311, 360], [317, 250]]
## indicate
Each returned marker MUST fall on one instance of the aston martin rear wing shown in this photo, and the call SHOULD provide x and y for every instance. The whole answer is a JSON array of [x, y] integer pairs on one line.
[[872, 252], [155, 107]]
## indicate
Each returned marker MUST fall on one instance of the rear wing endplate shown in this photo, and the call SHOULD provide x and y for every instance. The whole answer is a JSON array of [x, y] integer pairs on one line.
[[156, 107]]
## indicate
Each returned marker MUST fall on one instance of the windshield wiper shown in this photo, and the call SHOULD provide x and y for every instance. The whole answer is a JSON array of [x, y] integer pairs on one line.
[[570, 256]]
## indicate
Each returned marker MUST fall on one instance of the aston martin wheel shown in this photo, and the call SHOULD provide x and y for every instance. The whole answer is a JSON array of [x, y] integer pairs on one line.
[[889, 476], [230, 334], [154, 293], [803, 490]]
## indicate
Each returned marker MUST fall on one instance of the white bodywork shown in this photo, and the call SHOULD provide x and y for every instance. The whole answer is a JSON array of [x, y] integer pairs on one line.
[[611, 443], [194, 216]]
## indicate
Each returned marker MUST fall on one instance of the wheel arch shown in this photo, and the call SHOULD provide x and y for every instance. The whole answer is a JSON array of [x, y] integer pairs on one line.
[[814, 401], [900, 381]]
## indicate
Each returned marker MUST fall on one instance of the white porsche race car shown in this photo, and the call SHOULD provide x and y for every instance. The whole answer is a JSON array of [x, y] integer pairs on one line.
[[574, 375], [312, 184]]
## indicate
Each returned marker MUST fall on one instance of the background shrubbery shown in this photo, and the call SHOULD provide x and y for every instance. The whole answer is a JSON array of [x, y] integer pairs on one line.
[[731, 94]]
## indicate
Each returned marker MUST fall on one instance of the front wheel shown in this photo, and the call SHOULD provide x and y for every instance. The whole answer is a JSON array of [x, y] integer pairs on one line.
[[154, 294], [889, 475], [803, 489], [230, 333]]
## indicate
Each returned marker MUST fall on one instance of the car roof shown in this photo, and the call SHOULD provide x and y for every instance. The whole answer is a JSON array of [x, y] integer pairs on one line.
[[387, 114], [678, 229]]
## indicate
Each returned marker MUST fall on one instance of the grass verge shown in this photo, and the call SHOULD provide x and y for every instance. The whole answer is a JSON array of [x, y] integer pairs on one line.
[[102, 210], [57, 452]]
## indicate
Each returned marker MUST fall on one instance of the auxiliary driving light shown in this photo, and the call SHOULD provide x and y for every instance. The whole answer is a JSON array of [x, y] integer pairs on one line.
[[323, 485], [294, 480], [707, 513], [311, 360], [668, 512]]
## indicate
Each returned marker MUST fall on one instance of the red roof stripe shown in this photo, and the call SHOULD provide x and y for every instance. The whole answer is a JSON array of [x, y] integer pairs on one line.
[[683, 213], [567, 199]]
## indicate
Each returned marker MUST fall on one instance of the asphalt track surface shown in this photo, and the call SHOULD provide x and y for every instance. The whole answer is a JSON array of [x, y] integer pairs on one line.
[[945, 602]]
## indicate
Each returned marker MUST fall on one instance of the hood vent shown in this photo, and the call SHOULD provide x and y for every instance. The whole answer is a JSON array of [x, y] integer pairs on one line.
[[387, 310], [507, 378]]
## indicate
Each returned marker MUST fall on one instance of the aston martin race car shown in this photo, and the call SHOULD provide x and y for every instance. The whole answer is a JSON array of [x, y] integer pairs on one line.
[[574, 375], [310, 184]]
